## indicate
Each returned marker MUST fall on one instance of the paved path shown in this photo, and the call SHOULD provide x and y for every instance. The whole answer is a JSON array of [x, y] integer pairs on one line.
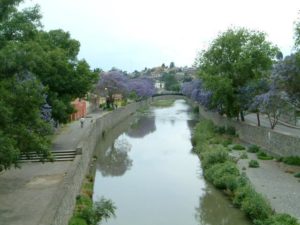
[[251, 118], [26, 193], [276, 182]]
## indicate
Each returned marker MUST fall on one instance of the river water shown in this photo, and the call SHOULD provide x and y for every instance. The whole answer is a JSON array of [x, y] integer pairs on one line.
[[146, 167]]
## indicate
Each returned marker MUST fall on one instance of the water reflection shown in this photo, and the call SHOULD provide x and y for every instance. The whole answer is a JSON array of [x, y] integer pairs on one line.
[[215, 209], [144, 126], [112, 156], [163, 185]]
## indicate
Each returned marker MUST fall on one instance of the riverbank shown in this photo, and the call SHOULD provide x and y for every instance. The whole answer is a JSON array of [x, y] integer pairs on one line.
[[221, 169]]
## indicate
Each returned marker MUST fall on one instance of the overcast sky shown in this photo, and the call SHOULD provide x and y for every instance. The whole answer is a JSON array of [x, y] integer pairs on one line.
[[134, 34]]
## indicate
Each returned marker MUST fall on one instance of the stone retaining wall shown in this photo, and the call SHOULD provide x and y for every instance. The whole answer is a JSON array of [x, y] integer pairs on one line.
[[61, 207], [275, 143]]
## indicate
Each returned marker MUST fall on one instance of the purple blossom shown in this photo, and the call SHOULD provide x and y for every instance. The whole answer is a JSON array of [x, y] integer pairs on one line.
[[142, 87], [195, 90], [113, 82]]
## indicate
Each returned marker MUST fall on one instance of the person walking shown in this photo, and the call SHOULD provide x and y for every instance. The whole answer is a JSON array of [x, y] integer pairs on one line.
[[81, 122]]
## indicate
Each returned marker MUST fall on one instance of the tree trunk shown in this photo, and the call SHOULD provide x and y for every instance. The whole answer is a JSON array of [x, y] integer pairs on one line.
[[258, 119], [242, 116]]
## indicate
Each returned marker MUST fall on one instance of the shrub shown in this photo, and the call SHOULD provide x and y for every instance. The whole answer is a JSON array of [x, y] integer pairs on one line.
[[279, 219], [253, 149], [231, 131], [292, 160], [238, 147], [263, 156], [255, 206], [222, 175], [220, 130], [244, 156], [77, 221], [253, 164], [227, 142], [297, 175], [213, 156]]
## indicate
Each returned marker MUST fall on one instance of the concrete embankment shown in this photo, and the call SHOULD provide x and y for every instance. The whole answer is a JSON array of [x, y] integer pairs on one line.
[[61, 207], [276, 143]]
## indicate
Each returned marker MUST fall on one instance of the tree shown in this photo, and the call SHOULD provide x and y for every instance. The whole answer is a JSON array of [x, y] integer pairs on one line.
[[39, 77], [171, 84], [233, 59], [112, 83], [141, 87], [195, 90], [272, 103], [172, 65], [287, 75]]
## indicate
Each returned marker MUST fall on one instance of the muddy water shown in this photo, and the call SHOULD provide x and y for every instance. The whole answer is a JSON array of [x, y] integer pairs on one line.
[[145, 166]]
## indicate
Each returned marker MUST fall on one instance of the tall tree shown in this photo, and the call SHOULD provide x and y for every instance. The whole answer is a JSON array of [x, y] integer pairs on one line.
[[234, 58]]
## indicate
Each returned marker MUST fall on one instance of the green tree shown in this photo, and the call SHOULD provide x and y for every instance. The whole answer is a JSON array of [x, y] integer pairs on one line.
[[233, 59], [171, 83], [36, 68]]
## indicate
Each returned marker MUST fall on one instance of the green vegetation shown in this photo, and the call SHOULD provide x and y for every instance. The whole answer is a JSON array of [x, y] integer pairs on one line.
[[297, 175], [163, 103], [40, 75], [263, 156], [238, 147], [253, 149], [225, 72], [244, 156], [292, 160], [220, 169], [253, 163], [88, 213]]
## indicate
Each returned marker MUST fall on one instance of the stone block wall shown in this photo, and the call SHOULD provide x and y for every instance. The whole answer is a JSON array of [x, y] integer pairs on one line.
[[275, 143]]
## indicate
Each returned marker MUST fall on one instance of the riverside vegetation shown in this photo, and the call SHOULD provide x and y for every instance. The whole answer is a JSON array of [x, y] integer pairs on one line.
[[88, 213], [221, 170]]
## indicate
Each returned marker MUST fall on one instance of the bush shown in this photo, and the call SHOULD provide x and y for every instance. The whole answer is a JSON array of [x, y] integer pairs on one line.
[[77, 221], [244, 156], [231, 131], [223, 175], [255, 206], [292, 160], [297, 175], [279, 219], [263, 156], [253, 149], [213, 156], [227, 142], [220, 130], [238, 147], [253, 164]]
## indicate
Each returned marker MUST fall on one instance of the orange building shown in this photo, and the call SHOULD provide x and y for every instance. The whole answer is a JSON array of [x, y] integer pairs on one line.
[[80, 107]]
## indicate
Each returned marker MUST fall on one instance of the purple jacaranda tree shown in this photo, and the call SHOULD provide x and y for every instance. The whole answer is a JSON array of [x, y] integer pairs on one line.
[[286, 74], [141, 87], [194, 90], [247, 93], [271, 103], [112, 83]]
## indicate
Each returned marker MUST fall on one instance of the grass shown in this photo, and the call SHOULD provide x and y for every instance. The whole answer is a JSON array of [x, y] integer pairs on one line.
[[297, 175], [253, 149], [292, 160], [163, 103], [221, 170], [263, 156], [253, 164], [238, 147], [86, 211]]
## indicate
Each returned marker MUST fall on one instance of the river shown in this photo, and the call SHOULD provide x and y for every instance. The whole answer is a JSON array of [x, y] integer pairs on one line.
[[146, 167]]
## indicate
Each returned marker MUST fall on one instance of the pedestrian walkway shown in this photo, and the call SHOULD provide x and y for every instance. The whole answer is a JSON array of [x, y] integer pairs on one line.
[[276, 181], [26, 193], [264, 122]]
